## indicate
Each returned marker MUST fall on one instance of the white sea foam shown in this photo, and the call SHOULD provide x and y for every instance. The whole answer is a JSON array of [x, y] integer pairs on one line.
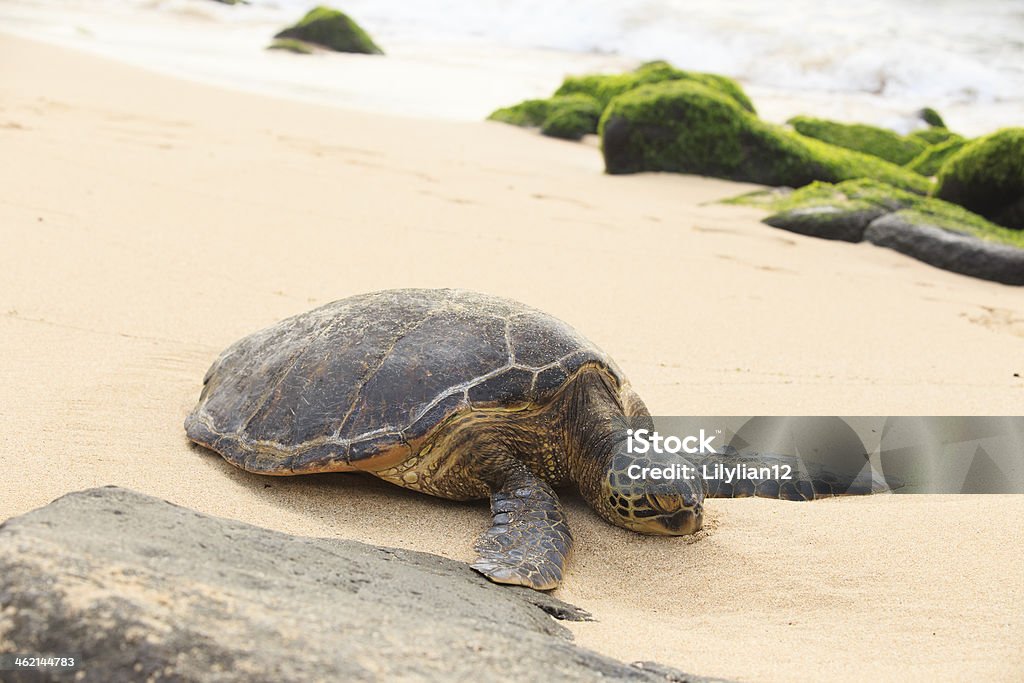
[[970, 50], [460, 58]]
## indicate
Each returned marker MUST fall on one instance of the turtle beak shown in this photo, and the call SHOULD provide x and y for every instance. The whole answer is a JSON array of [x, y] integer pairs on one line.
[[676, 518], [684, 522]]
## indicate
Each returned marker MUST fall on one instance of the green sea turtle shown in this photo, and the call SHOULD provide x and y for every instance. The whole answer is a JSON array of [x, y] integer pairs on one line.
[[459, 395]]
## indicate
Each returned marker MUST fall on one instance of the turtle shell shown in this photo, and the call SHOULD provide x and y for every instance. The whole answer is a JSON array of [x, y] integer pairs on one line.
[[360, 379]]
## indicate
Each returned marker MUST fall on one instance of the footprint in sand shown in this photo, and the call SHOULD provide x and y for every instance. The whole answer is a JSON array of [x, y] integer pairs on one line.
[[729, 231], [998, 319], [757, 266], [567, 200]]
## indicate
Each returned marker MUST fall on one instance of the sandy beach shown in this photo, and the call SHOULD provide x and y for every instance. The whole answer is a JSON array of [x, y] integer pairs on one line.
[[149, 222]]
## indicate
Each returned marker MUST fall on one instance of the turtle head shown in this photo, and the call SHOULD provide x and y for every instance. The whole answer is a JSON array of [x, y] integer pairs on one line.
[[659, 494], [654, 492]]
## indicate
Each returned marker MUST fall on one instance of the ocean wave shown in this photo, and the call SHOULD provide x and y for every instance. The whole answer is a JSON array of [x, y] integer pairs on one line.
[[902, 54], [961, 51]]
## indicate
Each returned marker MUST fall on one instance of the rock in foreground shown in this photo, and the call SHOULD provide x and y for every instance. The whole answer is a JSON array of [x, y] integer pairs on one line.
[[140, 589]]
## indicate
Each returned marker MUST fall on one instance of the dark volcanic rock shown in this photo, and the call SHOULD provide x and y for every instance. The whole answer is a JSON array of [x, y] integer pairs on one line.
[[948, 250], [931, 230], [828, 222], [141, 589]]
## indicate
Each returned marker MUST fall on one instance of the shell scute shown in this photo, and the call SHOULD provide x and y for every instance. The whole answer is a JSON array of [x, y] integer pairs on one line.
[[510, 385]]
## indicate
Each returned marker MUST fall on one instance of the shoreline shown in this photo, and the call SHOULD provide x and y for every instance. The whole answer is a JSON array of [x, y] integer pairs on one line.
[[149, 232], [457, 80]]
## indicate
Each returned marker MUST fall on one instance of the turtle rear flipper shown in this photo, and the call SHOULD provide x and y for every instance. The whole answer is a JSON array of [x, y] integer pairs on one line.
[[784, 477], [529, 539]]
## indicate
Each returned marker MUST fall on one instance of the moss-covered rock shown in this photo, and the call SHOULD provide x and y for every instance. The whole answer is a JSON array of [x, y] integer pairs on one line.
[[835, 212], [931, 117], [933, 136], [563, 116], [575, 109], [333, 30], [866, 195], [939, 233], [929, 162], [572, 117], [879, 142], [987, 177], [686, 127], [292, 45], [604, 87], [528, 113]]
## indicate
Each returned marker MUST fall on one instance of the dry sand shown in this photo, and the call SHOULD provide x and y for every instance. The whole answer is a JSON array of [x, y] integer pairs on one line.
[[146, 223]]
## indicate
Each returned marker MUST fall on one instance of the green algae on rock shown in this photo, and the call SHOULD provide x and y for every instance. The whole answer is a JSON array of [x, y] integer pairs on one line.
[[839, 212], [928, 162], [987, 177], [934, 136], [879, 142], [575, 117], [605, 87], [685, 127], [939, 233], [866, 193], [576, 106], [333, 30], [563, 116], [528, 113]]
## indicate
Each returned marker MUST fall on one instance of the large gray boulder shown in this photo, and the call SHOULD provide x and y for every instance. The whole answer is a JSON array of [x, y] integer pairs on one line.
[[140, 589]]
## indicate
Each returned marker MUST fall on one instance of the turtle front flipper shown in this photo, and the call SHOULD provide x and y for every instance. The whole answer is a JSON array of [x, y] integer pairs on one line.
[[783, 477], [529, 539]]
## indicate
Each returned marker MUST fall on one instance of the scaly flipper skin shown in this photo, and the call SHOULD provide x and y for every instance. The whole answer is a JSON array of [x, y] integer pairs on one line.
[[805, 481], [529, 539]]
